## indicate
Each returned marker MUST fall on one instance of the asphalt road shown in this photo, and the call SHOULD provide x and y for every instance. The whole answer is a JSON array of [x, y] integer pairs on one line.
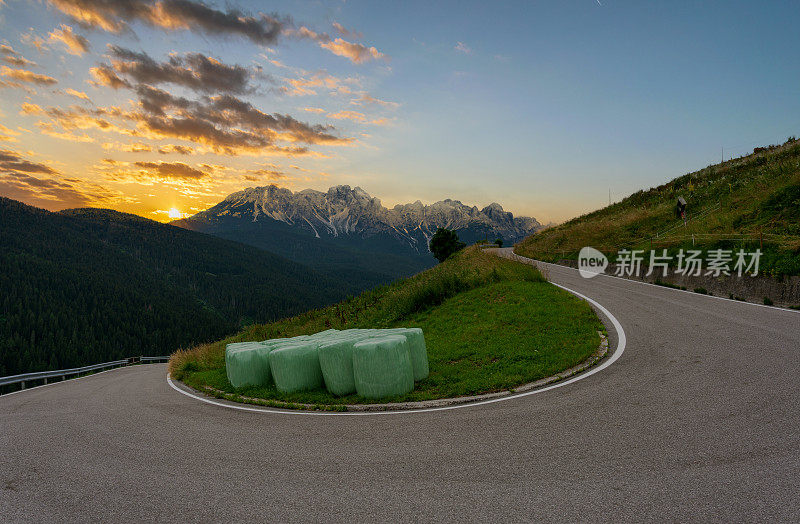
[[699, 420]]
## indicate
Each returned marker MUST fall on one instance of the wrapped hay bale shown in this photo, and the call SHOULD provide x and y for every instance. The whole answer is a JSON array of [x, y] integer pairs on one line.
[[336, 363], [295, 366], [322, 335], [247, 364], [418, 351], [416, 346], [382, 367]]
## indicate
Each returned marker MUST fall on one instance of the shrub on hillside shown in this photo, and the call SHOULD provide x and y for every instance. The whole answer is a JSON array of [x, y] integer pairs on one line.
[[444, 243]]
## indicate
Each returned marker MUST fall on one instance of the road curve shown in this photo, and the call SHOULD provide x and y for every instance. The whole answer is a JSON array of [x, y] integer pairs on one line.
[[698, 420]]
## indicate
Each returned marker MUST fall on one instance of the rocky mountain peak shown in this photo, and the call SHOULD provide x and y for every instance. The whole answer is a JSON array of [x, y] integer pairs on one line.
[[343, 211]]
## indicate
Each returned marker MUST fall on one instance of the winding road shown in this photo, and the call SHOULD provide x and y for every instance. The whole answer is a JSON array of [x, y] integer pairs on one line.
[[699, 420]]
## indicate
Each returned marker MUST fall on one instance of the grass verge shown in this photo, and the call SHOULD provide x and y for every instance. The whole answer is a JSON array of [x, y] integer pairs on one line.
[[746, 203], [490, 324]]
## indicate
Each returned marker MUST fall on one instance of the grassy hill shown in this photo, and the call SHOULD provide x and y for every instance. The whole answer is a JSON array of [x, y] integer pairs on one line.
[[88, 285], [490, 324], [749, 202]]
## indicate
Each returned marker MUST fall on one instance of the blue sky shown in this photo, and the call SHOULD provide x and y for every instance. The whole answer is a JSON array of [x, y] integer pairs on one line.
[[541, 106]]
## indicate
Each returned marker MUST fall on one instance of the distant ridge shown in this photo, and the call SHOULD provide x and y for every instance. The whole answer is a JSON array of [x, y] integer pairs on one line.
[[344, 211], [346, 233]]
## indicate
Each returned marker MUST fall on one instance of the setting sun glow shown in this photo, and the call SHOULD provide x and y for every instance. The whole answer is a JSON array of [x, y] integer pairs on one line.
[[174, 213]]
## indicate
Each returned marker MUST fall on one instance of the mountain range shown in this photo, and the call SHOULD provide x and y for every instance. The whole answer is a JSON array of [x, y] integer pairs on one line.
[[346, 231]]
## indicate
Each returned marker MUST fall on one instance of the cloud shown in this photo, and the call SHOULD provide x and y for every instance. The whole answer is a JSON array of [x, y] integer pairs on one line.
[[347, 32], [54, 193], [13, 161], [313, 110], [22, 75], [135, 147], [8, 135], [356, 53], [270, 174], [275, 62], [34, 40], [9, 56], [75, 117], [46, 128], [381, 122], [223, 124], [305, 85], [348, 115], [461, 47], [367, 99], [114, 15], [174, 170], [77, 94], [194, 70], [104, 75], [355, 116], [172, 148], [76, 44]]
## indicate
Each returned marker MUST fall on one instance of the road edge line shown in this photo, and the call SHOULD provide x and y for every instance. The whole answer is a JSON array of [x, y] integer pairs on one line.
[[779, 308]]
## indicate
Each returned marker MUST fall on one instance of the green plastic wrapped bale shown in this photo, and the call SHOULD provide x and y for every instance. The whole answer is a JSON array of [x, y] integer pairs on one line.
[[247, 364], [322, 335], [295, 367], [336, 363], [416, 345], [419, 352], [382, 367]]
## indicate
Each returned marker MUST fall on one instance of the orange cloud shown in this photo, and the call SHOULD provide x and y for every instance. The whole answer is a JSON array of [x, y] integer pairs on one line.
[[177, 170], [54, 193], [177, 149], [367, 99], [21, 75], [77, 94], [47, 128], [9, 56], [76, 44], [357, 53], [8, 135], [106, 77], [347, 32], [348, 115], [303, 86], [113, 16]]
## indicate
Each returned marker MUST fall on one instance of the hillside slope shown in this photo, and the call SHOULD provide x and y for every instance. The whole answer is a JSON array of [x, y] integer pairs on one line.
[[750, 202], [490, 324], [88, 285]]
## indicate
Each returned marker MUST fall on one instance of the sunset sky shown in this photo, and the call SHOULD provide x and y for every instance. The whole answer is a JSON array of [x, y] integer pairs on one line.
[[146, 106]]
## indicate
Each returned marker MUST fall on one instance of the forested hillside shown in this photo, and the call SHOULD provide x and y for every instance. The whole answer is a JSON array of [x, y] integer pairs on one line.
[[89, 285]]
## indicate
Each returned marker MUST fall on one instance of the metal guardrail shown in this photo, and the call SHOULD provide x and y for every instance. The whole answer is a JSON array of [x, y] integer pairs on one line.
[[64, 373]]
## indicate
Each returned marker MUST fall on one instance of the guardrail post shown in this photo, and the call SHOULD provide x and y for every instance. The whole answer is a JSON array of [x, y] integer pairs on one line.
[[22, 384], [45, 380]]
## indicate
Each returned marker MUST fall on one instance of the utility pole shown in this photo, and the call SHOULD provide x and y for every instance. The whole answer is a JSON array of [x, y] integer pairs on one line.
[[609, 196], [722, 154]]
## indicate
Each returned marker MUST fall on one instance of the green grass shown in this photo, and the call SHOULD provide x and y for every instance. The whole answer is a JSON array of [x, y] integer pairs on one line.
[[748, 203], [490, 324]]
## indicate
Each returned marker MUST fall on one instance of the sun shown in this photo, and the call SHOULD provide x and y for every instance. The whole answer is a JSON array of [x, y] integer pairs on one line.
[[174, 213]]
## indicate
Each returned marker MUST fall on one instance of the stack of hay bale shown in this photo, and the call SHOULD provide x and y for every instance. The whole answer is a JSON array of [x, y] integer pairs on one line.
[[374, 363]]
